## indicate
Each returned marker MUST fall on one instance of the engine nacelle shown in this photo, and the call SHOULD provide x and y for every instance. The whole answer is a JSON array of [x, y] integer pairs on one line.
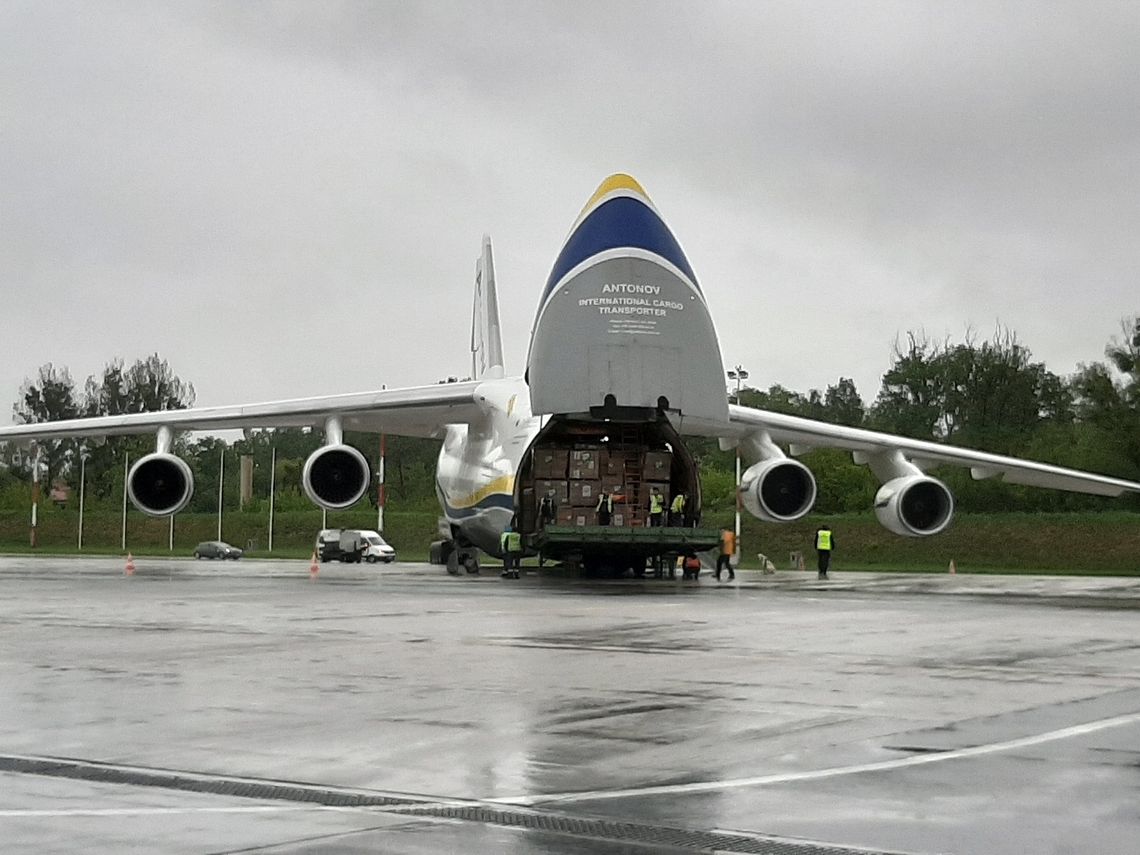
[[160, 484], [778, 489], [914, 506], [335, 476]]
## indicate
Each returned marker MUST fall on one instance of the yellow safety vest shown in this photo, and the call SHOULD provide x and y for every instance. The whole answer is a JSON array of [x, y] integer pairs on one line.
[[823, 540], [605, 499], [656, 503], [678, 504], [510, 541]]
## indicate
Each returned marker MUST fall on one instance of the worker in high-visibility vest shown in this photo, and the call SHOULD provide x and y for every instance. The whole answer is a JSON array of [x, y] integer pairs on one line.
[[510, 544], [548, 509], [656, 507], [727, 548], [605, 507], [824, 543], [677, 510]]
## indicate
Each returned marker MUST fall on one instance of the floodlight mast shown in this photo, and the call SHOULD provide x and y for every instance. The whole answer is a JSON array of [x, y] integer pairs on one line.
[[739, 374]]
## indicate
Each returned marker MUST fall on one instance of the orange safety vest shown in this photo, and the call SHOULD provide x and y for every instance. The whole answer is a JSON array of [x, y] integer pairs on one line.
[[727, 542]]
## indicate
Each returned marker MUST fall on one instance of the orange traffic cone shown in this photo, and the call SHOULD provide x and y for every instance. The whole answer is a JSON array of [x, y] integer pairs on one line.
[[953, 567], [130, 568], [314, 568]]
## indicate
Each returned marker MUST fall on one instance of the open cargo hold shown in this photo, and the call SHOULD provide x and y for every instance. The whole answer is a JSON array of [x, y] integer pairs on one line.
[[623, 459]]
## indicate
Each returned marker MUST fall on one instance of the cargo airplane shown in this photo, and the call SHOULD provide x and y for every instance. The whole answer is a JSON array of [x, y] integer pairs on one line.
[[623, 364]]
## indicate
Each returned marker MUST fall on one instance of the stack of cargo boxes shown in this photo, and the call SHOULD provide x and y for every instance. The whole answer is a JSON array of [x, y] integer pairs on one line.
[[584, 485], [550, 478], [575, 477], [612, 466]]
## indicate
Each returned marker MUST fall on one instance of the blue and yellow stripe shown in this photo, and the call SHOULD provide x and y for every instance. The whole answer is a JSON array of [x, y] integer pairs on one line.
[[499, 493], [618, 215]]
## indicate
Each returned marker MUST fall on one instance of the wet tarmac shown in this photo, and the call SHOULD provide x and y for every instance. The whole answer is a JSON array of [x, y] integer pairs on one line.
[[199, 707]]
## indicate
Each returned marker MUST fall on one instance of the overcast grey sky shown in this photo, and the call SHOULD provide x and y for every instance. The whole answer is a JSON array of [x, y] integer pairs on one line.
[[287, 199]]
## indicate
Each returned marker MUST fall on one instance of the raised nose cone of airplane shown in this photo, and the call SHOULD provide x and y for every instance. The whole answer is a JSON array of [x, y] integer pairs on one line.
[[622, 318], [618, 215]]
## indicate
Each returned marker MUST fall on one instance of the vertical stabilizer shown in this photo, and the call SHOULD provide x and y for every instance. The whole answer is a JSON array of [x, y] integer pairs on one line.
[[486, 336]]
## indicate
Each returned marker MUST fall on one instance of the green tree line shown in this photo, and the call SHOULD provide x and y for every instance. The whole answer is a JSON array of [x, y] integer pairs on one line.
[[151, 385], [985, 394]]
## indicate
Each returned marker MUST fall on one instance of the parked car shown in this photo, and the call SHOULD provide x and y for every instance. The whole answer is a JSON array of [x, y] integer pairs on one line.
[[217, 549], [376, 548]]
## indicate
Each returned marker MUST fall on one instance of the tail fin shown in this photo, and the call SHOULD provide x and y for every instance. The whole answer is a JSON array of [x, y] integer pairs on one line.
[[486, 337]]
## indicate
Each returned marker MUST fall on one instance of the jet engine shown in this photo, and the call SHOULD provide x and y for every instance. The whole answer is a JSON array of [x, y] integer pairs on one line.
[[160, 484], [335, 476], [914, 506], [778, 489]]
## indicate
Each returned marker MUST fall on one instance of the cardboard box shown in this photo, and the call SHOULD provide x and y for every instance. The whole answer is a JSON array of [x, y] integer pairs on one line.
[[575, 516], [551, 463], [542, 486], [584, 493], [612, 484], [618, 519], [584, 463], [657, 466], [612, 463]]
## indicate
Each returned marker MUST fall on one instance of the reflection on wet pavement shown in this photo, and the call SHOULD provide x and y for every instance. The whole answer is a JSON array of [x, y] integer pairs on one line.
[[897, 714]]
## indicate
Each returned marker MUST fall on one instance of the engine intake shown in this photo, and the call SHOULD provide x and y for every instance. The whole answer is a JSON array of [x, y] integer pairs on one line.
[[335, 476], [160, 484], [914, 506], [778, 490]]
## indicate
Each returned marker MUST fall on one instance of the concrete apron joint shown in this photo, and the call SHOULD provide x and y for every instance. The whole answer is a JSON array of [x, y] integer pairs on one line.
[[651, 836]]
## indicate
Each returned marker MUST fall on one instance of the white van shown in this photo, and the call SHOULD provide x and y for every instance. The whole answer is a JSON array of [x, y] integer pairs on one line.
[[376, 548]]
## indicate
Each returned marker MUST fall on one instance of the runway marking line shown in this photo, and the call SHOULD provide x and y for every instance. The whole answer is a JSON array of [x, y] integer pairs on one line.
[[832, 772], [421, 806], [161, 811]]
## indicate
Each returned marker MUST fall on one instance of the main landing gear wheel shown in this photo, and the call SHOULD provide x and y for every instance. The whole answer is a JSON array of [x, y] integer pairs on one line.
[[453, 563], [471, 563]]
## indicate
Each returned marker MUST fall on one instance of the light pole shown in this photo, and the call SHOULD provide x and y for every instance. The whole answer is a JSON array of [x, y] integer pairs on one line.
[[221, 483], [83, 455], [126, 472], [272, 490], [380, 492], [739, 375], [37, 463]]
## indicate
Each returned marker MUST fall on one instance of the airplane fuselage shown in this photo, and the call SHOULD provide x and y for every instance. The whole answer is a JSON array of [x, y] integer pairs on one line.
[[475, 475]]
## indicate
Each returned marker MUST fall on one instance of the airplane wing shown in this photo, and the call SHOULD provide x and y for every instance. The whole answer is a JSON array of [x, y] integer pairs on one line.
[[414, 411], [803, 435]]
